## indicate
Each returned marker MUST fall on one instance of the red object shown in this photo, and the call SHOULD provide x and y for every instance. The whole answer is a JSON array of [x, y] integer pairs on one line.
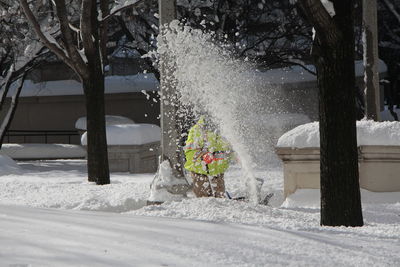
[[208, 158]]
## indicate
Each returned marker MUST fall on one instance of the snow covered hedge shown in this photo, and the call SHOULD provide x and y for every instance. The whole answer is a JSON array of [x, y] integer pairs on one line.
[[110, 120], [368, 133]]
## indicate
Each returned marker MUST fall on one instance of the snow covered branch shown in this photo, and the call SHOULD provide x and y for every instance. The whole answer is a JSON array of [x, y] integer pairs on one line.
[[68, 38], [51, 44], [127, 4]]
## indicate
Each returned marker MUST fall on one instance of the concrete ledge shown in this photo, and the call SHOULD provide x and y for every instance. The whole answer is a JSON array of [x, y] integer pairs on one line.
[[134, 158], [379, 168]]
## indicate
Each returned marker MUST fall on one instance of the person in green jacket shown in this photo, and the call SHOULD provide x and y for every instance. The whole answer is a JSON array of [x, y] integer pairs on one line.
[[207, 154]]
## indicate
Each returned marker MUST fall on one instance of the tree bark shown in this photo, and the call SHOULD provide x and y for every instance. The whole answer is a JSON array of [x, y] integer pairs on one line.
[[97, 156], [334, 59]]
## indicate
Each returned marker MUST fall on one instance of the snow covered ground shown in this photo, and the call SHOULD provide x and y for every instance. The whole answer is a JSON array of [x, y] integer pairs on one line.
[[50, 216]]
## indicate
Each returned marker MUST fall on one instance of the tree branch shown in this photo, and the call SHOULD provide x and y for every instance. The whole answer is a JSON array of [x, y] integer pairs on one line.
[[87, 27], [107, 17], [321, 20], [389, 6], [36, 27], [66, 33]]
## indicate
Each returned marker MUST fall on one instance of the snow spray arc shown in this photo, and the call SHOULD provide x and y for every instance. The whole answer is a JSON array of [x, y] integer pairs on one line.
[[210, 79]]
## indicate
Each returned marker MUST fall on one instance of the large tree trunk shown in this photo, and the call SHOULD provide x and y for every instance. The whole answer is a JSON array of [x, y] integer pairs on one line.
[[97, 156], [340, 193]]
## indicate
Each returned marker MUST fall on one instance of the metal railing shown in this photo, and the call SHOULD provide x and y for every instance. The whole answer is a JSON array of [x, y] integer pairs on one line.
[[46, 134]]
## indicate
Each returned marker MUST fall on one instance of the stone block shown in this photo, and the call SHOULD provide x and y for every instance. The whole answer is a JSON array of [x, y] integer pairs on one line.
[[379, 168]]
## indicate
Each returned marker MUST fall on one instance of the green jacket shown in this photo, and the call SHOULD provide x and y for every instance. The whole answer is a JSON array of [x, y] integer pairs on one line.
[[200, 141]]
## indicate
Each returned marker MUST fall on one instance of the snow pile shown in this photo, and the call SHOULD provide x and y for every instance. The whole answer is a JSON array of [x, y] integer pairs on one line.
[[130, 134], [110, 120], [8, 166], [164, 179], [306, 135], [378, 133], [43, 151], [368, 133]]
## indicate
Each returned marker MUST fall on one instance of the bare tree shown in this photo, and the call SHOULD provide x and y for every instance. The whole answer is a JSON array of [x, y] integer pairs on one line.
[[334, 58], [82, 28], [85, 58], [19, 53]]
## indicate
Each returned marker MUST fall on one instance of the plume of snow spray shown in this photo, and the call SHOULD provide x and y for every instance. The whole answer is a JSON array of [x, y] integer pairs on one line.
[[211, 79]]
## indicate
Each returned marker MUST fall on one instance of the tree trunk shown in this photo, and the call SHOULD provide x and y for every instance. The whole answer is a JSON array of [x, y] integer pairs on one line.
[[97, 156], [340, 191]]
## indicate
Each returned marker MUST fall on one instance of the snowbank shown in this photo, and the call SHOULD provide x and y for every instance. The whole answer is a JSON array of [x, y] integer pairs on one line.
[[130, 134], [164, 180], [8, 166], [113, 85], [110, 120], [368, 133], [43, 151]]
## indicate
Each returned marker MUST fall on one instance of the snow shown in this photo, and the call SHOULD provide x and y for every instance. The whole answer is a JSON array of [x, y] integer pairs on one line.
[[130, 134], [328, 5], [8, 166], [51, 216], [213, 81], [368, 133], [110, 120], [113, 85], [121, 4], [163, 179], [42, 151]]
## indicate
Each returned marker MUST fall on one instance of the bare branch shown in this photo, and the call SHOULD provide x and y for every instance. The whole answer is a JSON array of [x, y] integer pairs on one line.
[[389, 5]]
